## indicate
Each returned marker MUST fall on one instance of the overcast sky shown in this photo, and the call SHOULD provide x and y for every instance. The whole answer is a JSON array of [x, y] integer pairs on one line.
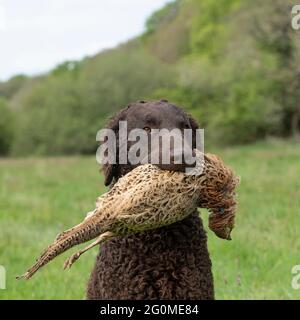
[[35, 35]]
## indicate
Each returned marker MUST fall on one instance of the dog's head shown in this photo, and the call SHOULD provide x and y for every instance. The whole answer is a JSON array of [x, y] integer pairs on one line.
[[149, 116]]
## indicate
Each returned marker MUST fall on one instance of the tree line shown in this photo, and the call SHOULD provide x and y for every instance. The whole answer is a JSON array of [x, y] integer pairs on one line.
[[234, 65]]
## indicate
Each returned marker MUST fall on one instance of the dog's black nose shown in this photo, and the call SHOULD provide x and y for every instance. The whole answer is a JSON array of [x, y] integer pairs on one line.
[[179, 160], [184, 157]]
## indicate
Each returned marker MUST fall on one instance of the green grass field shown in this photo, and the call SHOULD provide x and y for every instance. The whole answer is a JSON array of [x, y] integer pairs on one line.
[[41, 197]]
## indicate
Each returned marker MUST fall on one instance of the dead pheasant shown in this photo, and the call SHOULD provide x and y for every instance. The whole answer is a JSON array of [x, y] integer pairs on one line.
[[148, 198]]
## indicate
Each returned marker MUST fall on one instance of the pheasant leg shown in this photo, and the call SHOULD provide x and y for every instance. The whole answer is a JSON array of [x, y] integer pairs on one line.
[[103, 237]]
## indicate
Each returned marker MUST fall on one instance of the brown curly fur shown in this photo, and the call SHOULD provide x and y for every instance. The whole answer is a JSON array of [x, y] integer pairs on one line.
[[167, 263]]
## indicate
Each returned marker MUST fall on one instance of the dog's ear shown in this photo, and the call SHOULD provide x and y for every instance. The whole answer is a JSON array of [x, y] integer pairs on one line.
[[110, 171], [194, 125]]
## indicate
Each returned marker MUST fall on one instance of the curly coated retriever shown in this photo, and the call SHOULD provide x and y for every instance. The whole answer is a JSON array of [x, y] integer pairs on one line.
[[167, 263]]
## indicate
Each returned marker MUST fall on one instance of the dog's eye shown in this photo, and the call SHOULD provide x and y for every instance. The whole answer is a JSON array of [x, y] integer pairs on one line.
[[147, 129]]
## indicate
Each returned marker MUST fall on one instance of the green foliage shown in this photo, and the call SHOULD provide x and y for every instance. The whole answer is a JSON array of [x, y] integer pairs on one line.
[[50, 120], [62, 113], [209, 30], [233, 64], [162, 16], [6, 127], [117, 77], [12, 86], [167, 32], [71, 67], [242, 86]]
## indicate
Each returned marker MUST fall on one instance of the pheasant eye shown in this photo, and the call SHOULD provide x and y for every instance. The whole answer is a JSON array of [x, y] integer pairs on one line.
[[147, 129]]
